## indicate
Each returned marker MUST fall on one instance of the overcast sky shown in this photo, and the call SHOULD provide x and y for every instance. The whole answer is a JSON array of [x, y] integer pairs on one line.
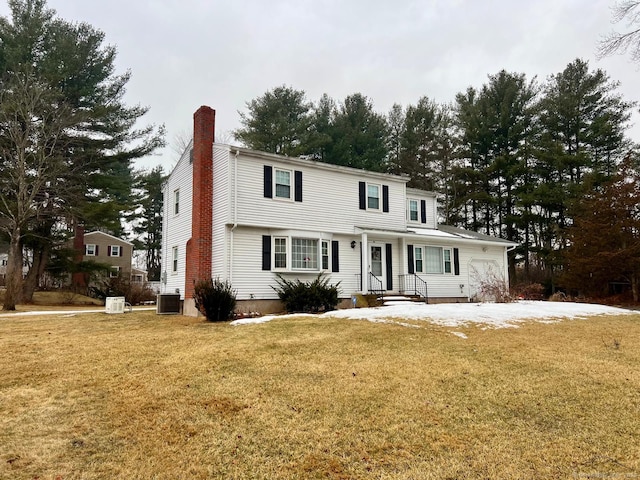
[[187, 53]]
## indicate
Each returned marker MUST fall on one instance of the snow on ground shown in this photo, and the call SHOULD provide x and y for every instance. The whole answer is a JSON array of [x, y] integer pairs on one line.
[[487, 315]]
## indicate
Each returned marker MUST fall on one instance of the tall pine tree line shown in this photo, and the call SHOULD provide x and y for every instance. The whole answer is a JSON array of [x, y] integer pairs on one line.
[[508, 158]]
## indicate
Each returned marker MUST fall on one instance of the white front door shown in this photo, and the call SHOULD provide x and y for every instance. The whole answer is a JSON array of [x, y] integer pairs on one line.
[[377, 267]]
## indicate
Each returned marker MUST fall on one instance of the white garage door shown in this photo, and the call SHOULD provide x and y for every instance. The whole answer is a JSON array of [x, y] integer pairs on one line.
[[482, 271]]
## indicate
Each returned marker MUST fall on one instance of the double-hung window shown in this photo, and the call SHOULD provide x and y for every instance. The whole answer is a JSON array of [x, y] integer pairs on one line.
[[176, 202], [412, 208], [373, 197], [174, 260], [447, 260], [325, 255], [90, 250], [283, 183], [280, 253], [115, 271], [114, 250], [418, 259], [304, 254]]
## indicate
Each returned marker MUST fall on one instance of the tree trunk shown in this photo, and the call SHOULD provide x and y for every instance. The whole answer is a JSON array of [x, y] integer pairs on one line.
[[13, 293], [32, 280]]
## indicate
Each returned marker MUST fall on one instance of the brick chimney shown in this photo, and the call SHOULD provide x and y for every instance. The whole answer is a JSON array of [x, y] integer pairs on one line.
[[199, 247]]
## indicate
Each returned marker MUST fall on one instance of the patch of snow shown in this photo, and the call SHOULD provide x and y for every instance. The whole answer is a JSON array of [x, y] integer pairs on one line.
[[487, 315], [459, 334], [431, 232]]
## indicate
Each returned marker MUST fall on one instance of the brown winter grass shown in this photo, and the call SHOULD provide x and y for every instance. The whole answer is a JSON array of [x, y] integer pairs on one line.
[[144, 396]]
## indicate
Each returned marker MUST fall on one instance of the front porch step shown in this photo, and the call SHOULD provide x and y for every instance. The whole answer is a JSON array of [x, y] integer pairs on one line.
[[401, 299]]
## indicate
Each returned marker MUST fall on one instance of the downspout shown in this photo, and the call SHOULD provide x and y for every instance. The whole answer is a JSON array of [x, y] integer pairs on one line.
[[506, 263], [235, 214]]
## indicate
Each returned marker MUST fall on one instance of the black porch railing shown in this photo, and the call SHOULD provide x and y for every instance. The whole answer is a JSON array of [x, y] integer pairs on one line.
[[374, 286], [412, 284]]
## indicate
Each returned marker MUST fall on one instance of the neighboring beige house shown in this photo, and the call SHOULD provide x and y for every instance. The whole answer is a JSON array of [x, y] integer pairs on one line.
[[101, 247]]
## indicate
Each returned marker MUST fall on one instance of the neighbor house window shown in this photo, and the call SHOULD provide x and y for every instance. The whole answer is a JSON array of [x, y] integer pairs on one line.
[[115, 251], [280, 253], [418, 259], [174, 259], [115, 271], [373, 197], [325, 254], [304, 253], [413, 210], [90, 250], [136, 278], [283, 183], [176, 202]]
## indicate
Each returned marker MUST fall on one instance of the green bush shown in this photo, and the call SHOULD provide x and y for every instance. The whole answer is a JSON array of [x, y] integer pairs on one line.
[[313, 296], [215, 299]]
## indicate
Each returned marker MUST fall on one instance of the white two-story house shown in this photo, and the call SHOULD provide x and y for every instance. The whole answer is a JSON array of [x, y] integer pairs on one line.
[[245, 216]]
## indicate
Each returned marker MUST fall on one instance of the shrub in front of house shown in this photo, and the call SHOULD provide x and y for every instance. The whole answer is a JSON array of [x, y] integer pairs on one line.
[[314, 296], [215, 299]]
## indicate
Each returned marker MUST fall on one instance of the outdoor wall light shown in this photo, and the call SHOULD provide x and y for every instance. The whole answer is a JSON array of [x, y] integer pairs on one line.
[[353, 244]]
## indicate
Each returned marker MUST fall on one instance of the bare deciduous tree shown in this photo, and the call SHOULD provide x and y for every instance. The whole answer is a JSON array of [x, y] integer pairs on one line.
[[629, 41]]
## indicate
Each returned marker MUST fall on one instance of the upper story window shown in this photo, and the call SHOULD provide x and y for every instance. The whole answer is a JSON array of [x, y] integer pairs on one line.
[[412, 208], [283, 183], [176, 201], [373, 197], [90, 250], [115, 251]]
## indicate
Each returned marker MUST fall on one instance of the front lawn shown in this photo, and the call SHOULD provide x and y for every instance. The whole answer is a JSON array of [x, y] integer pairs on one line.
[[144, 396]]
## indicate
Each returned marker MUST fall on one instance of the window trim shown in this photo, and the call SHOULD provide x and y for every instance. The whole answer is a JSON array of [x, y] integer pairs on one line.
[[442, 257], [379, 197], [275, 183], [289, 245], [176, 202], [116, 269], [325, 254], [86, 250], [285, 253], [111, 249], [174, 259], [409, 211]]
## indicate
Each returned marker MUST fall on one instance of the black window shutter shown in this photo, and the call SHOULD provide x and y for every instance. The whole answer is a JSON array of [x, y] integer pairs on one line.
[[410, 259], [268, 181], [298, 185], [109, 251], [121, 248], [266, 252], [335, 264], [385, 198], [456, 261], [97, 250], [423, 211], [362, 189], [388, 249]]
